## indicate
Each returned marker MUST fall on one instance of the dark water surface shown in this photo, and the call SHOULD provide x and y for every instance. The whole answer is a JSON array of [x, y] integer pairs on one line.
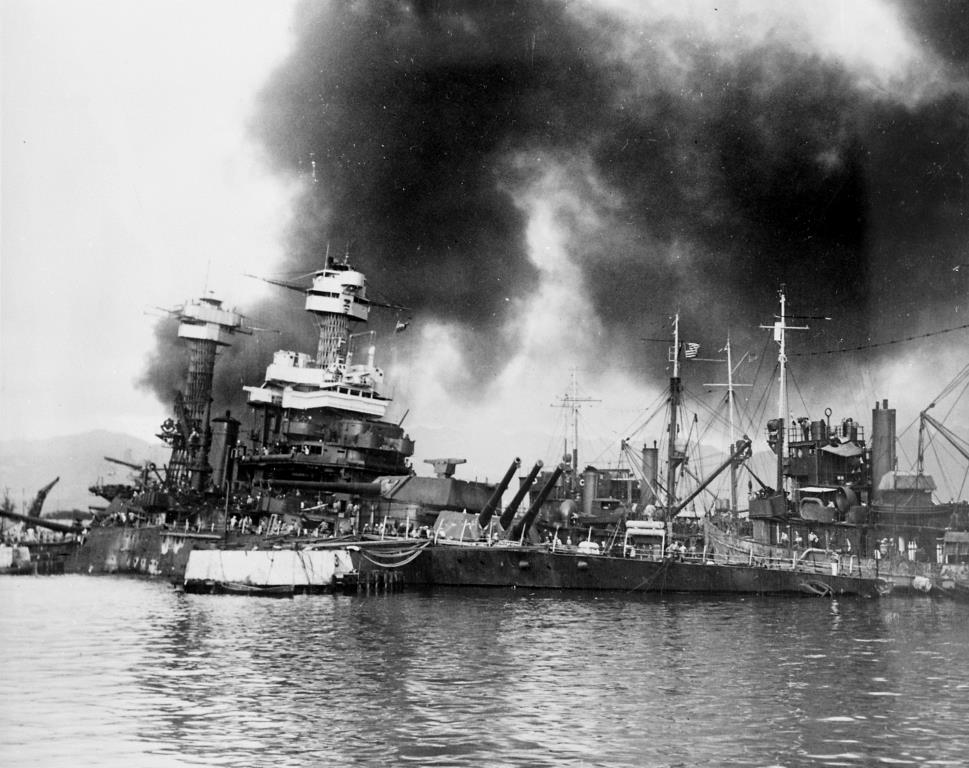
[[124, 672]]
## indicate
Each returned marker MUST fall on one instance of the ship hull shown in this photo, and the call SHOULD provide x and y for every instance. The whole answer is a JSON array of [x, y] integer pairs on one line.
[[150, 551], [37, 559], [905, 576], [539, 568]]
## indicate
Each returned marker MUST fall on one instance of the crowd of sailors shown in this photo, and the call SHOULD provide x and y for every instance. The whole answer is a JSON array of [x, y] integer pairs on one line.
[[18, 534]]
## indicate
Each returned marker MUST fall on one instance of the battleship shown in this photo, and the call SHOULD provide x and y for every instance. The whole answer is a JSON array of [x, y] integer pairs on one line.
[[319, 462], [319, 493]]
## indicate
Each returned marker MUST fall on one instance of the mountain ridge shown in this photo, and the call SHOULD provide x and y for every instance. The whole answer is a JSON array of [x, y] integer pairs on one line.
[[77, 459]]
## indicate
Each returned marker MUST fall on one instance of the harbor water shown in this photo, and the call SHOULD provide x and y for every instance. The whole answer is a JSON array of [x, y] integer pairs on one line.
[[125, 672]]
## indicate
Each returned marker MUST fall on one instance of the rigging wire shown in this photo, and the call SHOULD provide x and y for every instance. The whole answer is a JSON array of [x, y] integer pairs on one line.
[[931, 442], [760, 407], [717, 418], [652, 411], [963, 374], [957, 399], [941, 465], [962, 485], [800, 394], [756, 414], [863, 347], [561, 428]]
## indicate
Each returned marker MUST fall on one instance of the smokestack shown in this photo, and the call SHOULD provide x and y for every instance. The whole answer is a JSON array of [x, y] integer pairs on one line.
[[882, 445], [225, 432], [590, 489]]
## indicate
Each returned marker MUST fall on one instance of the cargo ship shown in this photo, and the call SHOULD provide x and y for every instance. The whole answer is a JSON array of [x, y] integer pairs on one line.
[[639, 553], [838, 491]]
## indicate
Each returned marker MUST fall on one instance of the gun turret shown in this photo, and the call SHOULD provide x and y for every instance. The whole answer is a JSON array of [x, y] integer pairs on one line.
[[509, 514], [484, 517], [523, 526]]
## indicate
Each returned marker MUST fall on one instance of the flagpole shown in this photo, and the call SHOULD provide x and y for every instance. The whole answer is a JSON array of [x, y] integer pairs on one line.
[[676, 345]]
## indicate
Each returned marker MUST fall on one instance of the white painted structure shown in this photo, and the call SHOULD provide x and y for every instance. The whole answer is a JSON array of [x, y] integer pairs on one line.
[[337, 378], [205, 320], [297, 568]]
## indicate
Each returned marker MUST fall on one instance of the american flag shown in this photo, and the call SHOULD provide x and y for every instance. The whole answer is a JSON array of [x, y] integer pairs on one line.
[[690, 349]]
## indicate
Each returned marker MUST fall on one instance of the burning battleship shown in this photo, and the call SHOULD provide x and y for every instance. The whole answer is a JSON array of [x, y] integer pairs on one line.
[[319, 460], [323, 476]]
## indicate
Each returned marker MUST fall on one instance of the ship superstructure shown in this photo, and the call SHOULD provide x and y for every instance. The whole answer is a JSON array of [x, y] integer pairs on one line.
[[840, 492], [320, 419], [594, 495], [205, 326]]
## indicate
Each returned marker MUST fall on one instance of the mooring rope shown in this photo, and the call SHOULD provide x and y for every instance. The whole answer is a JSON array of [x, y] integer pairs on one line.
[[818, 588], [646, 582], [407, 555]]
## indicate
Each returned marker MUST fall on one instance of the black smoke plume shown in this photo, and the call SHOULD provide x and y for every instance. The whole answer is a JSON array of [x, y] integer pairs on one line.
[[715, 174]]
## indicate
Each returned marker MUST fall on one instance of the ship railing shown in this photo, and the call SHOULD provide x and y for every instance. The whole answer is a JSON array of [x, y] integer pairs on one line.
[[808, 561], [643, 553]]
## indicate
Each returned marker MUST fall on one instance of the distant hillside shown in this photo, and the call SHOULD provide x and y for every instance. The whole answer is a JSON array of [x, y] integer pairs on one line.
[[28, 465]]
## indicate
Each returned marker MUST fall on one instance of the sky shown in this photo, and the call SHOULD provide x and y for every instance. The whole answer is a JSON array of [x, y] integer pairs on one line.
[[129, 183], [543, 184]]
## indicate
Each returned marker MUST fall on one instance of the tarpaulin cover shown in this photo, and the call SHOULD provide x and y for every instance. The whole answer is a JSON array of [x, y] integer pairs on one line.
[[847, 449]]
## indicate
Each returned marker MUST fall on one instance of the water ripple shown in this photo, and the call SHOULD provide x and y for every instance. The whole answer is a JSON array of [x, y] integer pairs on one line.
[[116, 672]]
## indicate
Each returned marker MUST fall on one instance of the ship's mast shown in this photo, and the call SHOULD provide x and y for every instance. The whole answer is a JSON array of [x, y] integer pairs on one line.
[[730, 419], [731, 415], [780, 327], [205, 326], [671, 463], [782, 363], [573, 402], [337, 297]]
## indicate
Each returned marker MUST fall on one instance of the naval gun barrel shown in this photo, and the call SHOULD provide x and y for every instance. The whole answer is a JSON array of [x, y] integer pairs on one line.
[[523, 526], [123, 463], [40, 522], [484, 517], [509, 514]]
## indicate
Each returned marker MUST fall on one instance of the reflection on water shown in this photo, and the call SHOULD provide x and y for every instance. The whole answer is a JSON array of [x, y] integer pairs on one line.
[[112, 672]]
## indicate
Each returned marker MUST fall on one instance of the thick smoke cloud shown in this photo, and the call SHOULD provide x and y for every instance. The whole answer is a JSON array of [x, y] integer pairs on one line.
[[711, 169], [943, 25], [408, 119]]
